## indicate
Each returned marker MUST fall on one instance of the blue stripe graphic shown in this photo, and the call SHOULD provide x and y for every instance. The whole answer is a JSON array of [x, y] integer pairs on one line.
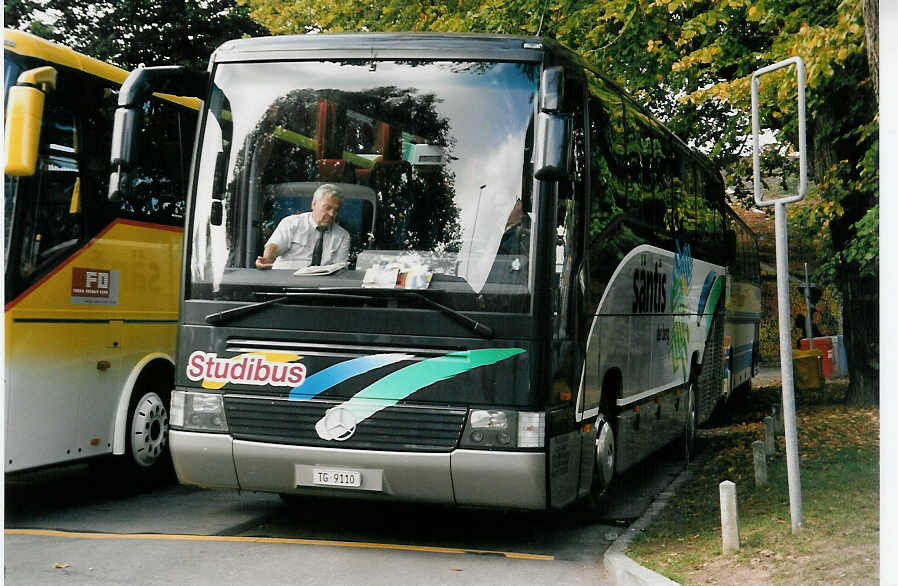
[[336, 374]]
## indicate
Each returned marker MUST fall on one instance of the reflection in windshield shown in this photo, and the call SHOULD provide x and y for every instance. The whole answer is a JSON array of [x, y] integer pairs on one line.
[[429, 158]]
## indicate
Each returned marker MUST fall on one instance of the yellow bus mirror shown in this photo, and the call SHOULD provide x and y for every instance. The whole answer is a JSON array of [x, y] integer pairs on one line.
[[75, 205], [24, 114]]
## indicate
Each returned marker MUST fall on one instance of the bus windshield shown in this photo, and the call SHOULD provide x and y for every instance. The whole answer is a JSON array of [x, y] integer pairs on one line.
[[431, 158]]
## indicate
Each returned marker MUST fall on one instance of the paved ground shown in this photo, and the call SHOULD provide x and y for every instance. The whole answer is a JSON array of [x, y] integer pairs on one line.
[[767, 376]]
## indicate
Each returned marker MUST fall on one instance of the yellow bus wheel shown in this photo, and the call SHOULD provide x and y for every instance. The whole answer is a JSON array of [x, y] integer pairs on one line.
[[148, 429]]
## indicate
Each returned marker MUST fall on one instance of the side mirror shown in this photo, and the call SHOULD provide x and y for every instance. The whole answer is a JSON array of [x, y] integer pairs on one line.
[[553, 129], [137, 88], [217, 212], [24, 116], [216, 215], [126, 128], [552, 147]]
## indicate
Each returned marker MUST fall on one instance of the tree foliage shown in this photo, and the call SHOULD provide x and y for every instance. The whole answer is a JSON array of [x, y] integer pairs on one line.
[[128, 33], [690, 62]]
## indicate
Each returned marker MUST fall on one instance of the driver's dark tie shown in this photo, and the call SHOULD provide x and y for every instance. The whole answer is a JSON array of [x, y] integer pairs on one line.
[[319, 246]]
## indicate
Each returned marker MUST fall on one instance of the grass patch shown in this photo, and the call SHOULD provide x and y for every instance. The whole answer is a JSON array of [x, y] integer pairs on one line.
[[839, 544]]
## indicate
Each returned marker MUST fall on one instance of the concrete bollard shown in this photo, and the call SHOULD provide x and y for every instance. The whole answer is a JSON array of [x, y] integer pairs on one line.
[[769, 436], [760, 455], [776, 411], [729, 517]]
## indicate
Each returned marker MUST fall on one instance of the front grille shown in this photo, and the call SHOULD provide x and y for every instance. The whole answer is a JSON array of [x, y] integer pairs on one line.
[[400, 428], [239, 345]]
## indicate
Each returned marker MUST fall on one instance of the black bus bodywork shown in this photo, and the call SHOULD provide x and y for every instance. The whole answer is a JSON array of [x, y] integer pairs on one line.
[[534, 292]]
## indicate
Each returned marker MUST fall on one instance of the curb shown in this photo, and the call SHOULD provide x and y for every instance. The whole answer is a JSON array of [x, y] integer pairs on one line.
[[624, 571]]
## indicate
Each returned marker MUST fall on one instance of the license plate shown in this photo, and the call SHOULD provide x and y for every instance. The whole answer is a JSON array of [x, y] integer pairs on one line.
[[335, 477]]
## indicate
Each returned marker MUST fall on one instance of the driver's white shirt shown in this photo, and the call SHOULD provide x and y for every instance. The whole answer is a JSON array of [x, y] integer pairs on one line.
[[295, 237]]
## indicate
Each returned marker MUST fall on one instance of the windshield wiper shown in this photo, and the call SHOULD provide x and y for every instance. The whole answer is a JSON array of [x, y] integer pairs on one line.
[[222, 316], [348, 293], [217, 318], [474, 325]]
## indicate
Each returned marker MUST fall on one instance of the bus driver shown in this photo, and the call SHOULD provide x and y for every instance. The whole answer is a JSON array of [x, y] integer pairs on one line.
[[310, 239]]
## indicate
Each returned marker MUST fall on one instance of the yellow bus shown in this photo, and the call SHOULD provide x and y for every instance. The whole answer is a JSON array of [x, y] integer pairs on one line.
[[91, 287]]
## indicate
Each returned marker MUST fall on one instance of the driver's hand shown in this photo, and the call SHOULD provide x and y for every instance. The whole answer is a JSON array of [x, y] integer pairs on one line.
[[262, 263]]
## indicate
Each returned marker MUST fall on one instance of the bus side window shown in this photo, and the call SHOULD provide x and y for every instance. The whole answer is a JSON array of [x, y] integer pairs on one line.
[[52, 226], [606, 165], [160, 181]]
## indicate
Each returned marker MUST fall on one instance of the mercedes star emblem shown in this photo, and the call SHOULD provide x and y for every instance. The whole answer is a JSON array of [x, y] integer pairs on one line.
[[337, 424]]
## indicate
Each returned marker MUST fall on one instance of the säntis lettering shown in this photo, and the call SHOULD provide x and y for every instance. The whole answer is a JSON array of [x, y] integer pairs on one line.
[[246, 369]]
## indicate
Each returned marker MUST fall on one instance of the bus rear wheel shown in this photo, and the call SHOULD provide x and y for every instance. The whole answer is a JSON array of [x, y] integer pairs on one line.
[[147, 434], [605, 463], [689, 431]]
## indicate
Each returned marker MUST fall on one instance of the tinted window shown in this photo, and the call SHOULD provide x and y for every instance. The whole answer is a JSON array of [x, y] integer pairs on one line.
[[159, 183]]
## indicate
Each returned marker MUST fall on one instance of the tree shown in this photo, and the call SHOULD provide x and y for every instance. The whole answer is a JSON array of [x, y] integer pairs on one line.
[[690, 62], [133, 32]]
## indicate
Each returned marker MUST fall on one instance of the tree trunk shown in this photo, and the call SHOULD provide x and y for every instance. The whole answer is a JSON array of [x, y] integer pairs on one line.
[[871, 31], [821, 146], [860, 312]]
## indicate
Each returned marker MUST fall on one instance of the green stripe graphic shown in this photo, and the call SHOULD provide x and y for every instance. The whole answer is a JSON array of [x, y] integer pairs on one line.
[[398, 385]]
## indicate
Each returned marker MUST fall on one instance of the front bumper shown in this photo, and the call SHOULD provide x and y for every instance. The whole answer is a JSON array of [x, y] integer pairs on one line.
[[461, 477]]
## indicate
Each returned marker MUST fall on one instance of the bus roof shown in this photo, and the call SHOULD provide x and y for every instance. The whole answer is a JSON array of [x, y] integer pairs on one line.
[[388, 45], [33, 46], [29, 45]]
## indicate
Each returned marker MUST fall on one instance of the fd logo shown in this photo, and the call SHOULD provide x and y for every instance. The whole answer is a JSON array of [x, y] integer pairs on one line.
[[90, 282], [94, 286]]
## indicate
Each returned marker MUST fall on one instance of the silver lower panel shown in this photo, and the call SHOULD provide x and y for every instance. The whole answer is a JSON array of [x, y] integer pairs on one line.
[[203, 459], [499, 479], [462, 477]]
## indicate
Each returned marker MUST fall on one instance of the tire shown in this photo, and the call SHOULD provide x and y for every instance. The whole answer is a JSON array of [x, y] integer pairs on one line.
[[690, 425], [147, 451], [605, 463]]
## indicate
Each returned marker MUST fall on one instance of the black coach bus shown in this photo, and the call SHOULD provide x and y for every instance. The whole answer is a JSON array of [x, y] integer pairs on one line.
[[532, 299]]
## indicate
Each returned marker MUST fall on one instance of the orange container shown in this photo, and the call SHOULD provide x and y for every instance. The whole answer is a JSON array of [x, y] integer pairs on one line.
[[825, 345]]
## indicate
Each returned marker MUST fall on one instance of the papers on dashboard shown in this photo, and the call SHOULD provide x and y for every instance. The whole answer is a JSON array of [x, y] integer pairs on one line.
[[320, 270]]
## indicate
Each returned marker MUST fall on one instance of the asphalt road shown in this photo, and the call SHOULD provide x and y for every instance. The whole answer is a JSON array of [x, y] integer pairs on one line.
[[79, 525]]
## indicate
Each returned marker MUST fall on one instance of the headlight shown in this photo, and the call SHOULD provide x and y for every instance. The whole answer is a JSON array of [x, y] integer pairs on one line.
[[197, 412], [496, 429], [481, 418]]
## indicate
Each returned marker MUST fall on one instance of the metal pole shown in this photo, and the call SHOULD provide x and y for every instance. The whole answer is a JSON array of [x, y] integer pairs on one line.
[[474, 230], [782, 272], [782, 291], [807, 302]]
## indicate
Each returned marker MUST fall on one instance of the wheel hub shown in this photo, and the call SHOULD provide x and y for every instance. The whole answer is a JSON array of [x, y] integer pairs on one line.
[[149, 430], [605, 455]]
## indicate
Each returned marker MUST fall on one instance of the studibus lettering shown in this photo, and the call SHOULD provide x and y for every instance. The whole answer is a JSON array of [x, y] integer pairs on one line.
[[247, 369]]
